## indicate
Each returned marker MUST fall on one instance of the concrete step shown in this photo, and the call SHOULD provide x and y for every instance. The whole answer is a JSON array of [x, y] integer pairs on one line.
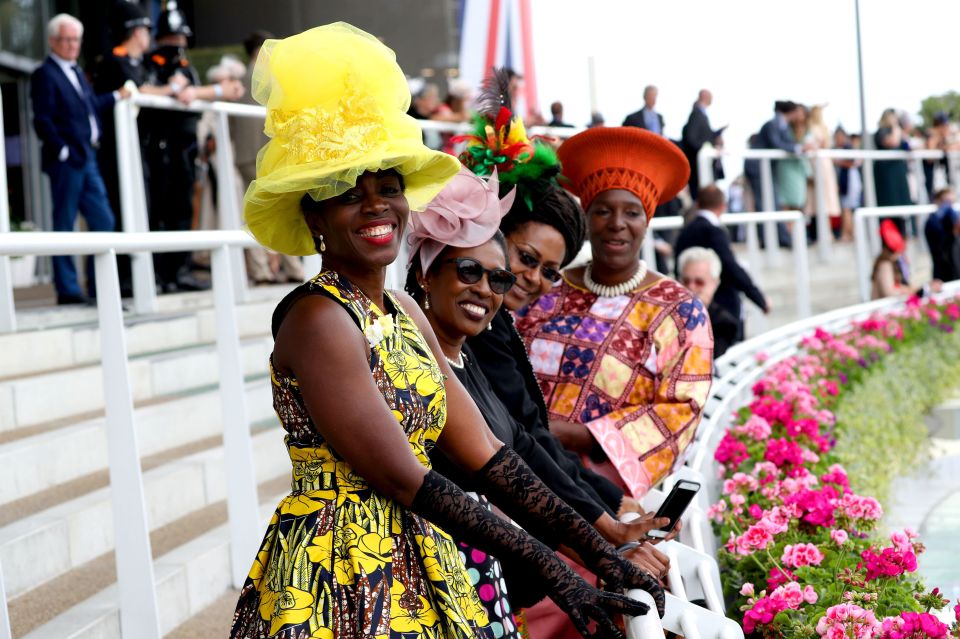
[[47, 544], [52, 347], [25, 401], [37, 463], [187, 579]]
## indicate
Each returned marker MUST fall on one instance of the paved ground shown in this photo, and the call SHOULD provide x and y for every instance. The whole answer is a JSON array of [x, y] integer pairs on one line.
[[929, 502]]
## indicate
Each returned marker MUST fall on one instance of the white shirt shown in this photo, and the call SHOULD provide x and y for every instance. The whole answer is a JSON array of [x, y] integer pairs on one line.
[[709, 216], [68, 70]]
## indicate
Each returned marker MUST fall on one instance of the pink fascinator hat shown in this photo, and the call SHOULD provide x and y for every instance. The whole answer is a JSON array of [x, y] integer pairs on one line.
[[466, 213]]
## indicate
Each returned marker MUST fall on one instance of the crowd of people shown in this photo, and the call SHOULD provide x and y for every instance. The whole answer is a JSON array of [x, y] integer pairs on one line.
[[505, 385], [74, 121], [502, 387]]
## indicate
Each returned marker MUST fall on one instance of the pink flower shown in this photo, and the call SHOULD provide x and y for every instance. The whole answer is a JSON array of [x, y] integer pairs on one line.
[[756, 427], [779, 577], [756, 538], [762, 613], [909, 625], [715, 512], [857, 507], [793, 595], [889, 562], [847, 620], [839, 536], [901, 541], [810, 595], [953, 311], [755, 511], [747, 590], [784, 452], [799, 555]]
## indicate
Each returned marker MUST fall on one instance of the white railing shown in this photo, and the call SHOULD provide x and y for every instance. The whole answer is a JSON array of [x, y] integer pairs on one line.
[[822, 216], [751, 222], [139, 615], [866, 236]]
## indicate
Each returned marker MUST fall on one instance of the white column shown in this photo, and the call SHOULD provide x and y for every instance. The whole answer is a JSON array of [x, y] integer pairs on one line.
[[869, 184], [8, 313], [5, 632], [801, 270], [705, 158], [861, 244], [228, 207], [133, 204], [311, 265], [246, 528], [139, 616], [769, 204], [824, 234]]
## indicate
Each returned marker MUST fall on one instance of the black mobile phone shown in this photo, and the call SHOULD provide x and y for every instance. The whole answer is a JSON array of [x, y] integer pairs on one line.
[[673, 506]]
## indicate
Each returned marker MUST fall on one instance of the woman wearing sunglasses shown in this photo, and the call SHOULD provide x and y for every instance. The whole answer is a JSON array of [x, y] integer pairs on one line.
[[458, 275], [358, 548], [623, 354]]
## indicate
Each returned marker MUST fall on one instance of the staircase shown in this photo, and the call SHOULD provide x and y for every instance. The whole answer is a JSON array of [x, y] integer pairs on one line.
[[56, 520]]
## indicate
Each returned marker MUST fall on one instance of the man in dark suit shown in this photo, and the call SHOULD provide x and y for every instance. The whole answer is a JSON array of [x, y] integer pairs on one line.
[[700, 270], [705, 229], [647, 117], [696, 133], [67, 120]]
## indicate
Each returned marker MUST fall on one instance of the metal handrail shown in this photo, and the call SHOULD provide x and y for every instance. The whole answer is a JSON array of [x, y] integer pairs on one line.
[[139, 612]]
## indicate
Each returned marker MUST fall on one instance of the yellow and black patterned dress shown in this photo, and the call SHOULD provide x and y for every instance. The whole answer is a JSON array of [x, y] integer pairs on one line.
[[339, 559]]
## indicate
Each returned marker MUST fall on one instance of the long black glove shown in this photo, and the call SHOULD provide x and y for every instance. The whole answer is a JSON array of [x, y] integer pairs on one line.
[[440, 501], [510, 484]]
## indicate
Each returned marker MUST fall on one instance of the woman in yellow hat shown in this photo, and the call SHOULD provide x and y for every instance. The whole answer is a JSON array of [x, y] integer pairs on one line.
[[359, 384]]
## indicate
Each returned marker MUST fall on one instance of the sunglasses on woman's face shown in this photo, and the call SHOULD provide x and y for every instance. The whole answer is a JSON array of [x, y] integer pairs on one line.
[[470, 271], [530, 261]]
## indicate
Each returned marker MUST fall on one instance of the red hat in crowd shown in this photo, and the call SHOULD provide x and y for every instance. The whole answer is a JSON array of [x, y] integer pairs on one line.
[[891, 236], [605, 158]]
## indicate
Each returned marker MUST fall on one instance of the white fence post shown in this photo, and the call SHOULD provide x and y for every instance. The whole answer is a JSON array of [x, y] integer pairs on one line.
[[133, 204], [245, 524], [139, 615], [228, 206], [5, 632], [705, 157], [8, 313], [824, 234], [769, 204], [801, 267], [311, 265], [869, 183]]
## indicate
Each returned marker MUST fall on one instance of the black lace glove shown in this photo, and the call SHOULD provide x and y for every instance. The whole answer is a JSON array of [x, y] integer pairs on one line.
[[510, 484], [441, 502]]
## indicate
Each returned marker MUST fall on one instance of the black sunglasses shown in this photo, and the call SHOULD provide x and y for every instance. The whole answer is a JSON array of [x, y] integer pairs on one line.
[[530, 261], [470, 271]]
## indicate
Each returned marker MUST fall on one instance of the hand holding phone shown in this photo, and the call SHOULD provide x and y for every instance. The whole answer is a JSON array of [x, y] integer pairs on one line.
[[674, 506]]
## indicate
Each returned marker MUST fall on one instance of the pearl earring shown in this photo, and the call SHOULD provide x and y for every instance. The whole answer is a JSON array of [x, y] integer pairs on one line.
[[426, 302], [323, 247]]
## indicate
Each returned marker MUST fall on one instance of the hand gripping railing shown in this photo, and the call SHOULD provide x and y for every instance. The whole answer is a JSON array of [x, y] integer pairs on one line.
[[751, 220], [139, 615]]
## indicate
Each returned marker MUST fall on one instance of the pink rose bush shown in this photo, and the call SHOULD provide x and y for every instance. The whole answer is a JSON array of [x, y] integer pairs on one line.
[[801, 555]]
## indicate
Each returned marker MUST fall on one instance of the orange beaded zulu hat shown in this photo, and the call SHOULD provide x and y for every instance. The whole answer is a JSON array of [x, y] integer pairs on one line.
[[605, 158]]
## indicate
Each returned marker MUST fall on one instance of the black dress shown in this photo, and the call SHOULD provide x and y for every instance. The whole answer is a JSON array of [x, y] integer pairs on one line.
[[502, 357], [520, 590]]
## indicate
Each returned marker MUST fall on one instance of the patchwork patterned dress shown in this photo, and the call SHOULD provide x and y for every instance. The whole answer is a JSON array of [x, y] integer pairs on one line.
[[634, 369], [340, 560]]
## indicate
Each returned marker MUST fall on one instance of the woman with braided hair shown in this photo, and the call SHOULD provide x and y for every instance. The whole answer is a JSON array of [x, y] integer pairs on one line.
[[360, 547]]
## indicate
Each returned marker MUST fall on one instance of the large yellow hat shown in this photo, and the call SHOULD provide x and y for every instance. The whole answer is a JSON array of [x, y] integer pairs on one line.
[[336, 107]]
